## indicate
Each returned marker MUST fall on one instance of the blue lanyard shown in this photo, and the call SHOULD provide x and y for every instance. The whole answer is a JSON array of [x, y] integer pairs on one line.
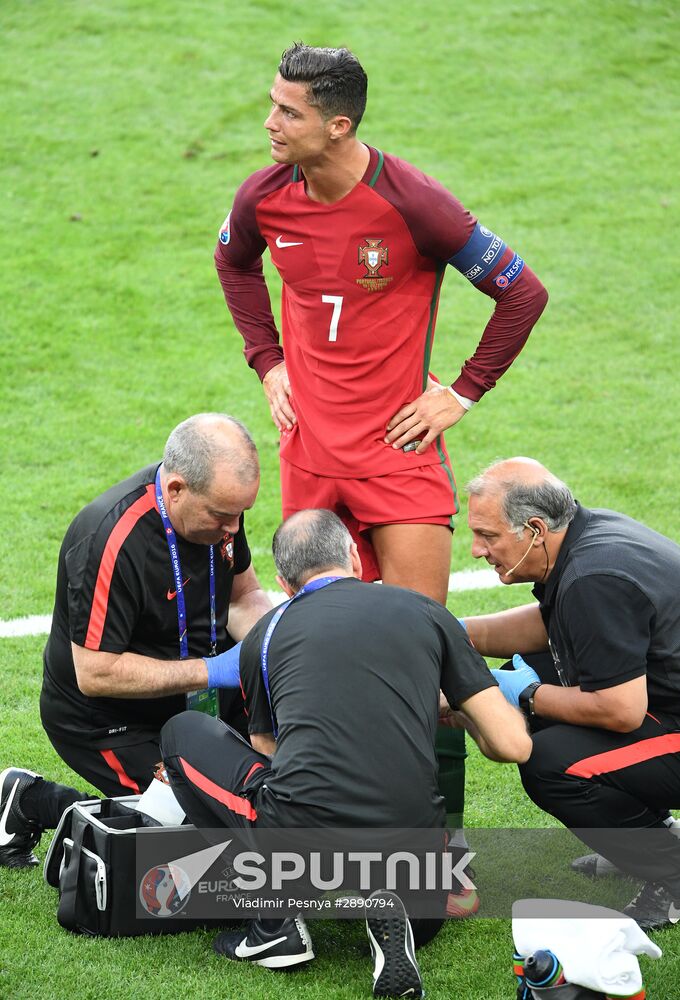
[[308, 588], [171, 539]]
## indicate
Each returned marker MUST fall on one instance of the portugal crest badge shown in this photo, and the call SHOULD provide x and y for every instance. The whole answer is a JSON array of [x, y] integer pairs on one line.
[[373, 256], [227, 550]]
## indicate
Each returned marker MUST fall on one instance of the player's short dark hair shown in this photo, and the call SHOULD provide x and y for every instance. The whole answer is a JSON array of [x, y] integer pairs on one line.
[[336, 81], [308, 543]]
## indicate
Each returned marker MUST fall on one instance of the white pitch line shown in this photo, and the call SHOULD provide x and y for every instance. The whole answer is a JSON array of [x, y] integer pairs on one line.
[[33, 625], [467, 579], [473, 579]]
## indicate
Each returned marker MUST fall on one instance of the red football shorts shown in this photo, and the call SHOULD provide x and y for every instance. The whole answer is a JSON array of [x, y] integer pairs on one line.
[[424, 495]]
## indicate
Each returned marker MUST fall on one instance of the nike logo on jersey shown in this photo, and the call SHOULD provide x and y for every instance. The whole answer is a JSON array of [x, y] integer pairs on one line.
[[244, 950], [171, 594], [5, 837], [281, 243]]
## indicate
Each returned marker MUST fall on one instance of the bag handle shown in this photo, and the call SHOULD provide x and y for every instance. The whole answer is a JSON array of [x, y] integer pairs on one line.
[[68, 885]]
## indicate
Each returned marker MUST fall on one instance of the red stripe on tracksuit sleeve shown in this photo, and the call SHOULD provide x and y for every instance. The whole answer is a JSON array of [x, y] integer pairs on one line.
[[615, 760], [115, 765], [233, 802], [100, 601], [250, 772]]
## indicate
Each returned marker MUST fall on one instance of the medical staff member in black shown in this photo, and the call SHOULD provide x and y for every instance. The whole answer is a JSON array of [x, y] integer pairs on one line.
[[342, 690], [154, 575], [604, 708]]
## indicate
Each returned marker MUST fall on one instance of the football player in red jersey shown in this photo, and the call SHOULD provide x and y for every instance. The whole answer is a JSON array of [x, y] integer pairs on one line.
[[361, 240]]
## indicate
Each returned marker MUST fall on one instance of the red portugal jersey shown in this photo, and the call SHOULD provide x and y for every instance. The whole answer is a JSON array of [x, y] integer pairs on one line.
[[361, 280]]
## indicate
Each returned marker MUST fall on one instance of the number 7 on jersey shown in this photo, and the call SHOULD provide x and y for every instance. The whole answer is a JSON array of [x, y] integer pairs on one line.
[[336, 302]]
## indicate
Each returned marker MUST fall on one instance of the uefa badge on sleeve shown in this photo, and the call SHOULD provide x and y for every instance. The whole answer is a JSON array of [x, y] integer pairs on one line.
[[225, 231]]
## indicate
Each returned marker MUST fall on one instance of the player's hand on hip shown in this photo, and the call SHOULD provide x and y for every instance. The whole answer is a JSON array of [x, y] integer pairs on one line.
[[277, 390], [424, 418]]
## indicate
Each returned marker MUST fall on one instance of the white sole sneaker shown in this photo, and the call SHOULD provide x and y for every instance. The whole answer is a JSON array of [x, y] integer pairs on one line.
[[395, 972], [281, 948]]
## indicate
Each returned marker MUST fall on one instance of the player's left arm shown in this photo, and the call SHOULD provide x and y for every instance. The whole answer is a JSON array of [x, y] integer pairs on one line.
[[247, 604], [495, 269]]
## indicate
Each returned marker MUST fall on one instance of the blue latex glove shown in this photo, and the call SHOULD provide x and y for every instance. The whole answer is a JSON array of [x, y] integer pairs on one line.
[[223, 669], [513, 682]]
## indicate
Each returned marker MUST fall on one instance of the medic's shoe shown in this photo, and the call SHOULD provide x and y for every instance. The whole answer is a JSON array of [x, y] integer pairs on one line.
[[275, 944], [395, 972], [594, 866], [18, 835], [653, 907]]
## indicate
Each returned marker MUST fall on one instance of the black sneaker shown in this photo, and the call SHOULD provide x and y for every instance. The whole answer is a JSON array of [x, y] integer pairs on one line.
[[396, 972], [653, 907], [595, 866], [275, 944], [18, 835]]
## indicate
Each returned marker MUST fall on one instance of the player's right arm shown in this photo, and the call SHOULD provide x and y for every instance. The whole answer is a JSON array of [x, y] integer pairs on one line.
[[276, 385], [238, 259]]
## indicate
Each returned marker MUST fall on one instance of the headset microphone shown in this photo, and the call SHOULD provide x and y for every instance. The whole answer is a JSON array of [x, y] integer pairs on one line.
[[535, 532]]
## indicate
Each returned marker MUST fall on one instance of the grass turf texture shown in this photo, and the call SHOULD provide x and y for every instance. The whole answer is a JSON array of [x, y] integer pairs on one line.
[[125, 131]]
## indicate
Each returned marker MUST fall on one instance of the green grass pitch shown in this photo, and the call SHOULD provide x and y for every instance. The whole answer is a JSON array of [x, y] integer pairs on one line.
[[125, 129]]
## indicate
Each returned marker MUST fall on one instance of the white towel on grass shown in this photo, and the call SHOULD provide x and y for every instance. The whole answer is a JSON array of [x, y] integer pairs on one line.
[[596, 946]]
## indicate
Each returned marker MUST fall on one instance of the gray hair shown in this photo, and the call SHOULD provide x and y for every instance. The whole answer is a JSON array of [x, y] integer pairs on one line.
[[308, 543], [199, 444], [551, 500]]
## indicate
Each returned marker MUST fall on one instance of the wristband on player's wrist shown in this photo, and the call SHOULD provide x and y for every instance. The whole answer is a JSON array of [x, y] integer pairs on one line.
[[526, 699], [466, 403]]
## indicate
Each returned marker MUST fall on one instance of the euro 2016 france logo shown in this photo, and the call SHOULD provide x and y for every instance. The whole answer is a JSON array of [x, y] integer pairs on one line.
[[164, 890]]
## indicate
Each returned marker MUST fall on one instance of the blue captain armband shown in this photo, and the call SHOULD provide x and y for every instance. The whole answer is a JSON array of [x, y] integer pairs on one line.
[[480, 255]]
